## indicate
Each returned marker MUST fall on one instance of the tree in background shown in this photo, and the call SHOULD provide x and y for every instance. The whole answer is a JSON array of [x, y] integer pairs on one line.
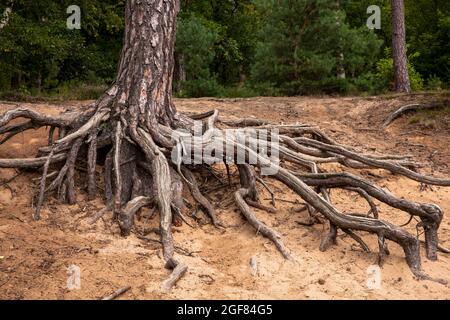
[[401, 75], [302, 46], [428, 38], [228, 31], [217, 46], [38, 52], [4, 18], [195, 53]]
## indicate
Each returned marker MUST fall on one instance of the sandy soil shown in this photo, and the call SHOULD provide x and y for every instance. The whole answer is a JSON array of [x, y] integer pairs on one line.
[[35, 256]]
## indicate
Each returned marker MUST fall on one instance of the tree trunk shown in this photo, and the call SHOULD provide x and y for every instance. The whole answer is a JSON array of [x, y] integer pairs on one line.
[[401, 76], [39, 82], [341, 68], [144, 79]]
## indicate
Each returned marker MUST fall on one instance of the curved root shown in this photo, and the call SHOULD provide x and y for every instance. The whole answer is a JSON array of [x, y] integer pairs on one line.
[[137, 173]]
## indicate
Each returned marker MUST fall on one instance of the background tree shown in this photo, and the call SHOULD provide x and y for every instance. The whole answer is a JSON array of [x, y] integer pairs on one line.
[[401, 75], [80, 63], [301, 47], [428, 38], [38, 52], [195, 53], [4, 19]]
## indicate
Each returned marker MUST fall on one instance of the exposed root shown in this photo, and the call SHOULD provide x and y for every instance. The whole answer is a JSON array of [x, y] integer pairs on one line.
[[162, 187], [37, 214], [30, 163], [177, 273], [329, 239], [358, 239], [98, 216], [92, 164], [200, 198], [260, 206], [126, 217], [246, 122], [107, 179], [382, 250], [70, 163], [260, 227], [117, 170], [51, 134], [411, 107], [272, 194], [373, 207], [117, 293], [135, 146], [430, 214], [14, 130], [375, 163]]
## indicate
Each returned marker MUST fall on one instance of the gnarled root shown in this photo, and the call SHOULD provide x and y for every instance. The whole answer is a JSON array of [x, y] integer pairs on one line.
[[136, 173], [200, 198], [260, 227]]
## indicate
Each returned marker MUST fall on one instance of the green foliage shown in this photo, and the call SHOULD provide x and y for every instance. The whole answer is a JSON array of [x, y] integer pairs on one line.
[[228, 48], [428, 33], [236, 23], [38, 53], [385, 73], [195, 46], [305, 45]]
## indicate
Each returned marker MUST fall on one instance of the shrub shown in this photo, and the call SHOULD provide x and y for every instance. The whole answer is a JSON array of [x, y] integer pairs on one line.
[[385, 74], [434, 83]]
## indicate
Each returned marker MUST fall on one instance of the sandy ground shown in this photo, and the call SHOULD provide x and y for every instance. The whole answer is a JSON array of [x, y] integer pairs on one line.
[[35, 256]]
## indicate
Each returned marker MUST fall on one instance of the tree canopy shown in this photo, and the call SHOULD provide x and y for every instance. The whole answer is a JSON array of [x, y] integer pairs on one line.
[[229, 48]]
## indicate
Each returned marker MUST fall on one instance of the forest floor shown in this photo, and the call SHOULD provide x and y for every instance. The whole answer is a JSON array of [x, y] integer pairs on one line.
[[35, 256]]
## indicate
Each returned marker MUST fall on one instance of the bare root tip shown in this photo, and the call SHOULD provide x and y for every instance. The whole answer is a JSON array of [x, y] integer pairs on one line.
[[178, 272], [329, 240], [420, 275], [240, 196]]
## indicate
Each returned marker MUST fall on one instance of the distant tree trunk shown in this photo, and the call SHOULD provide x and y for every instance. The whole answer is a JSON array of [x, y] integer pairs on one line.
[[340, 57], [242, 77], [6, 14], [39, 82], [179, 73], [402, 83]]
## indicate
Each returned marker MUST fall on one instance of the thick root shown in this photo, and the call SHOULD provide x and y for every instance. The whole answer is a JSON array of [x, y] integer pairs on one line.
[[137, 173]]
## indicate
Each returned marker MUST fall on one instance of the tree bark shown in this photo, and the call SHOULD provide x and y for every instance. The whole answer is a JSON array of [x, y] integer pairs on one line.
[[401, 76], [144, 80]]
